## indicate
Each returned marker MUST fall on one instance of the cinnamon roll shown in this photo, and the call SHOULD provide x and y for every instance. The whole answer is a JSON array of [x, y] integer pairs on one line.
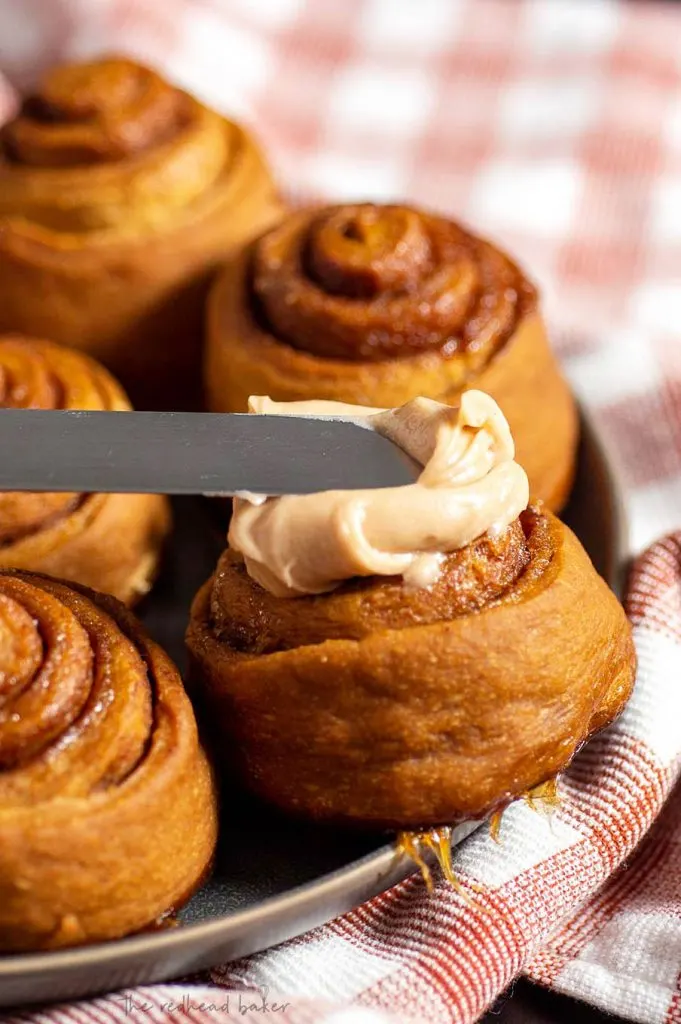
[[109, 541], [414, 657], [107, 803], [376, 305], [118, 194]]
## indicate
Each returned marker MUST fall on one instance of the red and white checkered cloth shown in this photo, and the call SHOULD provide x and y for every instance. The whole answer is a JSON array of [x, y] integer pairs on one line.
[[555, 127]]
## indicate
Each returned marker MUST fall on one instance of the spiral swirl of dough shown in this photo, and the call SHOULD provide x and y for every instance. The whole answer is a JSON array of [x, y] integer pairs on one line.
[[97, 742], [371, 282]]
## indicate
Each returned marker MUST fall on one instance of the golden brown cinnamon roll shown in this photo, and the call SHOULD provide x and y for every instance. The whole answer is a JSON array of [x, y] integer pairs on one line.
[[118, 194], [349, 682], [108, 541], [107, 803], [376, 305]]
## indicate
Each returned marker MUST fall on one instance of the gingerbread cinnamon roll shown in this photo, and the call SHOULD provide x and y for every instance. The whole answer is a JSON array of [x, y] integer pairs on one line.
[[376, 305], [107, 803], [108, 541], [118, 194], [410, 658]]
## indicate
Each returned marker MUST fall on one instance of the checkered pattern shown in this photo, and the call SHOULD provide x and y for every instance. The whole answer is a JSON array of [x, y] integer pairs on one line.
[[555, 127]]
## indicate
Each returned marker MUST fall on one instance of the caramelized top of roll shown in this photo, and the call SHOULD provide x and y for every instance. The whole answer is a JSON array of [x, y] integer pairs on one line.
[[372, 282], [253, 621], [109, 145], [96, 112]]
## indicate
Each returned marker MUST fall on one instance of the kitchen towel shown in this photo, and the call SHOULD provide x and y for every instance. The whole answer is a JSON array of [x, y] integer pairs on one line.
[[554, 126]]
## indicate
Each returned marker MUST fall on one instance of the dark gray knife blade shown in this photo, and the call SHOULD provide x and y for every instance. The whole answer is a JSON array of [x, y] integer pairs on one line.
[[193, 453]]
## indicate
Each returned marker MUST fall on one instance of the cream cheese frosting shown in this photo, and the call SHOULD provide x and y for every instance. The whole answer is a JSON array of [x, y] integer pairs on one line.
[[470, 485]]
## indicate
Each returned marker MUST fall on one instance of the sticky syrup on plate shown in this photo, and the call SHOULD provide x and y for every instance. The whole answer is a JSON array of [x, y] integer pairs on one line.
[[543, 798], [437, 841], [169, 919], [495, 825], [546, 795]]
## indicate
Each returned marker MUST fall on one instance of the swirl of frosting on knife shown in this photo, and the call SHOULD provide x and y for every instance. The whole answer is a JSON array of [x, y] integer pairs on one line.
[[470, 485]]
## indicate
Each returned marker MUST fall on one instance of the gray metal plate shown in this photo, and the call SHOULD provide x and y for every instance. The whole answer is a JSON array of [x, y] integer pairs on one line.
[[273, 878]]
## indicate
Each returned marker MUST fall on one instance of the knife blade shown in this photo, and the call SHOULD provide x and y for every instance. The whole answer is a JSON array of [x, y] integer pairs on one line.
[[194, 453]]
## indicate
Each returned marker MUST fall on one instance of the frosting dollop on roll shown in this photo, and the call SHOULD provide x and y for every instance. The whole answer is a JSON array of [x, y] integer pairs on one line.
[[469, 485]]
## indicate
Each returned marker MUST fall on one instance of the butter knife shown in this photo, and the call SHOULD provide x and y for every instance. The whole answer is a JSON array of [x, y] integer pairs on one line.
[[194, 453]]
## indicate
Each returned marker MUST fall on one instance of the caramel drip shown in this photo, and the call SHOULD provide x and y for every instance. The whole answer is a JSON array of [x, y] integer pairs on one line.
[[369, 282], [546, 795], [439, 842], [495, 825], [166, 922], [409, 843], [97, 112], [40, 375], [543, 798], [75, 697], [436, 842]]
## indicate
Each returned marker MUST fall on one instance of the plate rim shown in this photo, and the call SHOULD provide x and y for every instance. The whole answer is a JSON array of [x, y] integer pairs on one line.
[[166, 939]]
